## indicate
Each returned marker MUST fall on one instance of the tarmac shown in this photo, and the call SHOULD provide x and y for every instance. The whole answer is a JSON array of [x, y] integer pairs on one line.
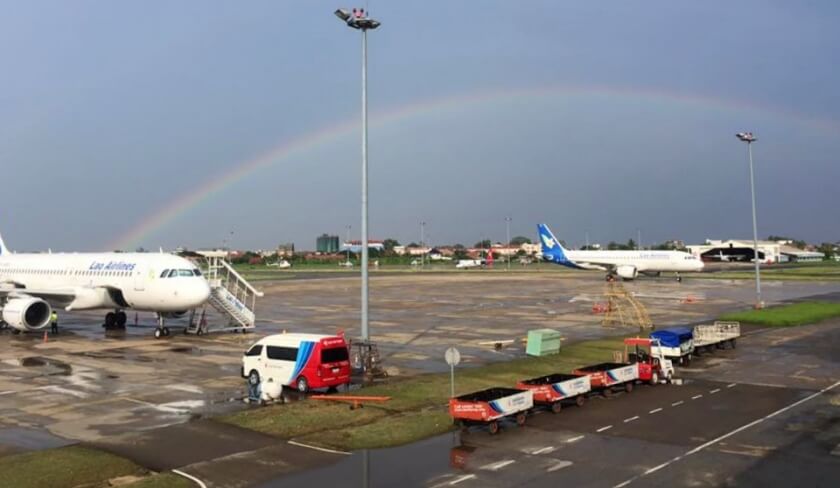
[[150, 400]]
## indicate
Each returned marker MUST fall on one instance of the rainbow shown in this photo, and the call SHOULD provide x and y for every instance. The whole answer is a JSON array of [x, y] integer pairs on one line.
[[176, 208]]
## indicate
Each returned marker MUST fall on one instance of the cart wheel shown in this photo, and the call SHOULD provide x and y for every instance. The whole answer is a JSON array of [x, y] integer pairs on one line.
[[520, 419], [580, 400], [628, 387], [607, 392], [494, 427], [556, 407]]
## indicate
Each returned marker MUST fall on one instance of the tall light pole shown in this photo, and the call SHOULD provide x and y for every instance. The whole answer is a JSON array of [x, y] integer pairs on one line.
[[422, 246], [507, 246], [749, 138], [348, 243], [358, 19]]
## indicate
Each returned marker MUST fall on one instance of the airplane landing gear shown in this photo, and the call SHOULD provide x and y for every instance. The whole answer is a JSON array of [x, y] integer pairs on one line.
[[162, 330], [679, 278]]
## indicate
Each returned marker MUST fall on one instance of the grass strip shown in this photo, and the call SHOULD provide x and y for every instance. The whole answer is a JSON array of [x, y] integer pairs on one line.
[[417, 405], [162, 480], [393, 430], [787, 315], [70, 466]]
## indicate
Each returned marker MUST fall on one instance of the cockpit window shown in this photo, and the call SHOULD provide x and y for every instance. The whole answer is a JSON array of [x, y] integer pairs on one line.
[[164, 273], [173, 273], [185, 272], [196, 272]]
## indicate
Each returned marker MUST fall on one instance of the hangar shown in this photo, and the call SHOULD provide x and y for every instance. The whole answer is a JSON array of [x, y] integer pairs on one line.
[[735, 250]]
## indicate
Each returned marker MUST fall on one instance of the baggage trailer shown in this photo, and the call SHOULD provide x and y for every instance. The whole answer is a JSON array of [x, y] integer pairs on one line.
[[675, 343], [716, 336], [552, 390], [488, 407], [606, 376]]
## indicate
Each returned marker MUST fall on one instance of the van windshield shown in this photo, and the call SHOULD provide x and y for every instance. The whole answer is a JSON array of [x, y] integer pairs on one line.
[[254, 351], [334, 355]]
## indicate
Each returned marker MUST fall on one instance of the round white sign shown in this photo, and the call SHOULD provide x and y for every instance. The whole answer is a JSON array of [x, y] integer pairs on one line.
[[453, 357]]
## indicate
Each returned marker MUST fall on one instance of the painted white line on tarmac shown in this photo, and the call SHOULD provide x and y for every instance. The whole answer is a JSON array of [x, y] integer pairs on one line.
[[544, 450], [655, 410], [730, 385], [462, 478], [604, 428], [631, 419], [322, 449], [695, 397], [712, 392], [559, 465], [675, 404], [7, 392], [190, 477], [727, 435], [498, 466], [574, 439]]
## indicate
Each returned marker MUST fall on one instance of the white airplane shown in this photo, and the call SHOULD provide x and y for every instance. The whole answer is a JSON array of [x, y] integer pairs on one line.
[[625, 264], [32, 284], [469, 263]]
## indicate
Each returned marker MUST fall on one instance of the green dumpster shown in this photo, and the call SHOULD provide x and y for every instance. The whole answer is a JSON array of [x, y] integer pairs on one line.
[[542, 342]]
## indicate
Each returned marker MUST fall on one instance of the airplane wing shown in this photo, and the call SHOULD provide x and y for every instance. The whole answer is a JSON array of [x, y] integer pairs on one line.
[[50, 295], [594, 266]]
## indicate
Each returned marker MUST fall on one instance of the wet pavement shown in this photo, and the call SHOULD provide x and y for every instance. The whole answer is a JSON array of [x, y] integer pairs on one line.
[[121, 389], [724, 426]]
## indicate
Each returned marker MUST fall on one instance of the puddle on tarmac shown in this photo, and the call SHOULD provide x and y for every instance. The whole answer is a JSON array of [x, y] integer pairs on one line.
[[30, 439], [195, 351], [410, 465], [63, 369]]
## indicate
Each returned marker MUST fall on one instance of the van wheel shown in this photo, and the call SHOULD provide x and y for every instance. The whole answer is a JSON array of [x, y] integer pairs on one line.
[[254, 377], [494, 427], [654, 378], [580, 400], [520, 419], [556, 407], [303, 384], [628, 387]]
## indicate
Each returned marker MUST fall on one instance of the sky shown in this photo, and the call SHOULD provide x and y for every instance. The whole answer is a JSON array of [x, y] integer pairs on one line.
[[198, 124]]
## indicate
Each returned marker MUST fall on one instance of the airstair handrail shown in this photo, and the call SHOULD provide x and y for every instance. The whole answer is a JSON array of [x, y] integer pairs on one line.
[[241, 279]]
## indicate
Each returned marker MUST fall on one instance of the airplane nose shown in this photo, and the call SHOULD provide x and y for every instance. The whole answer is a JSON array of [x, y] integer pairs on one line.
[[201, 293]]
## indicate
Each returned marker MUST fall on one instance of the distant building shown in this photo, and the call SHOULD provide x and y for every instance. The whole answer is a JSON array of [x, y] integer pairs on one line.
[[737, 250], [326, 244], [356, 246], [796, 255], [286, 250]]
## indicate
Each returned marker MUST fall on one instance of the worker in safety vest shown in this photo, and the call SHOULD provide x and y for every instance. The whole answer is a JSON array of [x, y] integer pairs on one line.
[[54, 322]]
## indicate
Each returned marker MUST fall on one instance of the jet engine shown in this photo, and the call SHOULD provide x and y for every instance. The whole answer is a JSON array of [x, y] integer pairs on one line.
[[626, 272], [174, 315], [27, 313]]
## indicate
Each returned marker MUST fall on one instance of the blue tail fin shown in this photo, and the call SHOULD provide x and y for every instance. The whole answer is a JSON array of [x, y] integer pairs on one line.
[[551, 248]]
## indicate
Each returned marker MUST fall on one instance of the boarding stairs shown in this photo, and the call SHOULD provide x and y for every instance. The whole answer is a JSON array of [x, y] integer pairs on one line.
[[230, 294]]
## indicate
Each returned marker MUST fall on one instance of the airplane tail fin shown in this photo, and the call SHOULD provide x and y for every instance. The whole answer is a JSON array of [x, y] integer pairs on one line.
[[3, 249], [550, 245]]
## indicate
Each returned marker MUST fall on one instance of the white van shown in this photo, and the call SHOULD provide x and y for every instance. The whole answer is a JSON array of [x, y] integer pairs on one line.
[[302, 361]]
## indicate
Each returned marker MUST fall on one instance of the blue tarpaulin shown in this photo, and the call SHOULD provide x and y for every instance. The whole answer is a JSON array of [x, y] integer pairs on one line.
[[672, 336]]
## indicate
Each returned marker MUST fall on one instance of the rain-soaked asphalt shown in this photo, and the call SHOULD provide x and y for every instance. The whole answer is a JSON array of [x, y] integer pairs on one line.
[[107, 389]]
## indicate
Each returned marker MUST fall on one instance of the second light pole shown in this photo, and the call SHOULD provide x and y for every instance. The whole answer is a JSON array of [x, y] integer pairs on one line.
[[358, 19], [507, 246], [749, 138]]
